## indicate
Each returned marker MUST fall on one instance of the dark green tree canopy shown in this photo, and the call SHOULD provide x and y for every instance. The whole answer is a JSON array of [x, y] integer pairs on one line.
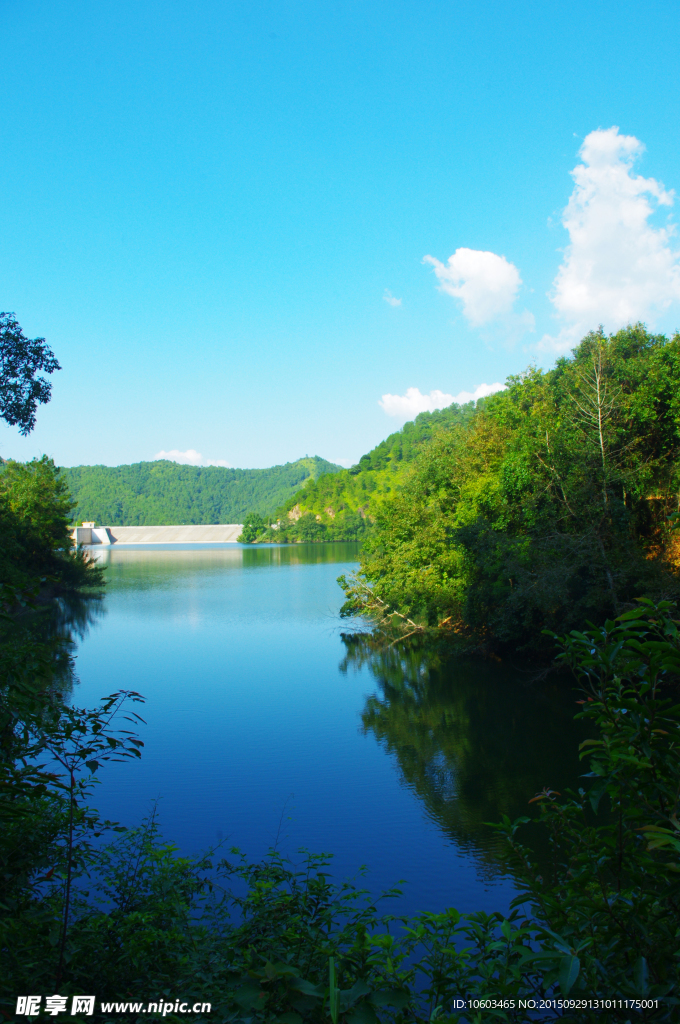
[[549, 507], [20, 360]]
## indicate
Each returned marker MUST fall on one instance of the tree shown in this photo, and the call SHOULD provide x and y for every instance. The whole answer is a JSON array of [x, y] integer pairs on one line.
[[253, 526], [35, 526], [20, 360], [38, 495]]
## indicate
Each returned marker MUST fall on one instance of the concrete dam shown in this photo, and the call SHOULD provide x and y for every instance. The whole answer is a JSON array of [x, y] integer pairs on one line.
[[89, 534]]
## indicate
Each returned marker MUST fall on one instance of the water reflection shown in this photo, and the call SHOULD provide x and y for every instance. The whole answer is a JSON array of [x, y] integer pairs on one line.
[[149, 565], [60, 623], [73, 615], [238, 555], [473, 739], [236, 650]]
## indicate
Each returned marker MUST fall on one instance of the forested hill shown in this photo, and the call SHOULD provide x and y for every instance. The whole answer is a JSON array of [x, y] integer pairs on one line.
[[341, 506], [164, 493], [556, 504]]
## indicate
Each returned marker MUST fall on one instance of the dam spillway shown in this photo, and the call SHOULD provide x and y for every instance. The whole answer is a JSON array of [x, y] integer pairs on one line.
[[107, 535]]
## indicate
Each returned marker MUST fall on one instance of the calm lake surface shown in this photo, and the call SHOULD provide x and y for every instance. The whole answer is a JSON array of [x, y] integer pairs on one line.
[[264, 726]]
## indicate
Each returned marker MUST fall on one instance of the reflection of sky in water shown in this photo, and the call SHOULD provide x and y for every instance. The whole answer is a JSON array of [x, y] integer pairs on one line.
[[252, 730]]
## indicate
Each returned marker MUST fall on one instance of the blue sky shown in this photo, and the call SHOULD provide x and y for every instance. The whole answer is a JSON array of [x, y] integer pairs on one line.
[[218, 213]]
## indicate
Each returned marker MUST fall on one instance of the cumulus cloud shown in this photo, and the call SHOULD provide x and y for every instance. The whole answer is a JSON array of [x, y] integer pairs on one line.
[[390, 299], [406, 407], [190, 458], [618, 268], [486, 284]]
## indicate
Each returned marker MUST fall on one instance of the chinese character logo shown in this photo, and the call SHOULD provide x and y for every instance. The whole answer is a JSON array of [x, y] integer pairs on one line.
[[28, 1006], [83, 1004], [55, 1004]]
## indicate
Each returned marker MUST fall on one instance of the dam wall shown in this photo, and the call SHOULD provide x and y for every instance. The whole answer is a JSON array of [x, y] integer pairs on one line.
[[107, 535]]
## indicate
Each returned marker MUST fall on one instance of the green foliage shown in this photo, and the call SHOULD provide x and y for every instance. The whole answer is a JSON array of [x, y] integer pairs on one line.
[[309, 527], [342, 507], [165, 493], [253, 526], [37, 494], [610, 905], [547, 507], [21, 389], [405, 444], [49, 753], [35, 512]]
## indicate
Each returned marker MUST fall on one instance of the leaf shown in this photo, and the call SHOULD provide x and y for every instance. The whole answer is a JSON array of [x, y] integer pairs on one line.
[[641, 977], [363, 1013], [596, 794], [277, 970], [634, 614], [250, 996], [398, 997], [333, 992], [659, 841], [306, 987], [349, 996], [569, 971]]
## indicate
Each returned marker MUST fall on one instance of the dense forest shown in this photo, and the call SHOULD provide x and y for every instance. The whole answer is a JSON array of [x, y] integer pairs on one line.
[[163, 493], [553, 504]]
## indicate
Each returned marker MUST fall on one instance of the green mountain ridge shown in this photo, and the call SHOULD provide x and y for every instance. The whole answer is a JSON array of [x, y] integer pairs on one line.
[[342, 506], [164, 493]]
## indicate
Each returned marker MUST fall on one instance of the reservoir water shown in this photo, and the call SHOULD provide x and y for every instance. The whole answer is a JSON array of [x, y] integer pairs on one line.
[[266, 726]]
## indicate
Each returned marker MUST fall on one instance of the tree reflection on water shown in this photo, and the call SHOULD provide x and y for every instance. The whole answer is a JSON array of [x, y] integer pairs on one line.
[[64, 620], [472, 739]]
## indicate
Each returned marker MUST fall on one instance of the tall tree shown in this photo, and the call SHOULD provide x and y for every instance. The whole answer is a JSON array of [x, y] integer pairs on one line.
[[21, 389]]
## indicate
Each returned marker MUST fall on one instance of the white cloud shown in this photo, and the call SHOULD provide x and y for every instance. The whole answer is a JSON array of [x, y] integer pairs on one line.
[[343, 462], [407, 406], [190, 458], [390, 299], [481, 391], [617, 268], [486, 284]]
